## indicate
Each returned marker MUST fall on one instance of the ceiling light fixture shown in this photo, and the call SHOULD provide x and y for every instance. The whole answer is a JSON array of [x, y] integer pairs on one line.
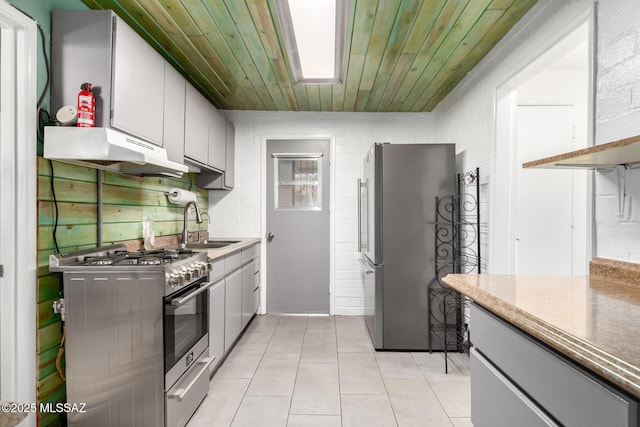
[[314, 34]]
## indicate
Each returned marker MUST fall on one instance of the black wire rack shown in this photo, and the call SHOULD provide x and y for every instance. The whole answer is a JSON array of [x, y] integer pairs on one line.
[[457, 250]]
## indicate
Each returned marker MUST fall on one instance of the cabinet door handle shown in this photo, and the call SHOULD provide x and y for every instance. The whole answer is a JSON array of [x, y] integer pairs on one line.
[[270, 236]]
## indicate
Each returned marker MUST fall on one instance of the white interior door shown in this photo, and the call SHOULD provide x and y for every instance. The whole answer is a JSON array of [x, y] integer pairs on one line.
[[298, 226], [550, 205]]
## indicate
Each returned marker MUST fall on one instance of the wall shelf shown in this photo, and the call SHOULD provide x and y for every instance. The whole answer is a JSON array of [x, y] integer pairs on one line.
[[604, 156]]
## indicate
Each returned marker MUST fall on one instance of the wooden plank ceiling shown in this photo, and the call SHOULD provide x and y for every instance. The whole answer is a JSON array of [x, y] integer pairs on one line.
[[401, 55]]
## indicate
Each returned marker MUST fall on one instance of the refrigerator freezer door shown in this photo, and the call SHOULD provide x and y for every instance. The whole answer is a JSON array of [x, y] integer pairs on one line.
[[372, 286]]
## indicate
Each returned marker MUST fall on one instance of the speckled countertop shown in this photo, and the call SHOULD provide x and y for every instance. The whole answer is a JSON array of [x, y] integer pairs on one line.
[[238, 243], [241, 243], [593, 320]]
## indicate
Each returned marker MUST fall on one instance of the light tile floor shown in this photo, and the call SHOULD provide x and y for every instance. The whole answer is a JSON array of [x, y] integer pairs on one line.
[[308, 371]]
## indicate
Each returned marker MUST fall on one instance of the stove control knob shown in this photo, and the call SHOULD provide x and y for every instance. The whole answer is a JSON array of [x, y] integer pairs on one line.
[[174, 280], [202, 268]]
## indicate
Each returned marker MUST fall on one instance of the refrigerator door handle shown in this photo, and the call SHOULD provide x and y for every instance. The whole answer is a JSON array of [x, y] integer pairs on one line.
[[359, 215], [366, 268], [363, 227]]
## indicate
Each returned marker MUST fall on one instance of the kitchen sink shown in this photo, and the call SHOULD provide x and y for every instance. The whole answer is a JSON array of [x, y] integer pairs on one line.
[[210, 244]]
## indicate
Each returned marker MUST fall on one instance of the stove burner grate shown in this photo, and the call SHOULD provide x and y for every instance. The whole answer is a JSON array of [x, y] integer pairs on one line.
[[142, 257], [103, 260]]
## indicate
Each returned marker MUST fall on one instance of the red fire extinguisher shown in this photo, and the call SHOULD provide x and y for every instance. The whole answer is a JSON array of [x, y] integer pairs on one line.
[[86, 106]]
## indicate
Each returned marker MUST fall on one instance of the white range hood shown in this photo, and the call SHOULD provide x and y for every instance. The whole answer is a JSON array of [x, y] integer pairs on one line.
[[108, 149]]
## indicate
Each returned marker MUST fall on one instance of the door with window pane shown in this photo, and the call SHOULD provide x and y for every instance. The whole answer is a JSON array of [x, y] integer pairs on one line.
[[297, 238]]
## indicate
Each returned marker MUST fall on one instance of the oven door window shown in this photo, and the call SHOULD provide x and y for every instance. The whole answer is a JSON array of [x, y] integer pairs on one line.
[[184, 324]]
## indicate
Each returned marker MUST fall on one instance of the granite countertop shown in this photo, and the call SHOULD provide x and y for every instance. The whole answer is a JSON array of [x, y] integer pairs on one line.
[[592, 320]]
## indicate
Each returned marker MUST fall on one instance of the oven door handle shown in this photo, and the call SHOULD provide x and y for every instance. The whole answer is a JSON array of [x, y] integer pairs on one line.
[[192, 295], [182, 392]]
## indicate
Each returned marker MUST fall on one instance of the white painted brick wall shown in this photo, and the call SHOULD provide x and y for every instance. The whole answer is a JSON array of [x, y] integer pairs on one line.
[[618, 116], [238, 213], [618, 61]]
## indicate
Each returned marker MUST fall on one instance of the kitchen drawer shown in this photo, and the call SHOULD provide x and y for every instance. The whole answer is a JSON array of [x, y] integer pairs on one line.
[[250, 253], [254, 265], [232, 262], [186, 394], [566, 391], [217, 269], [496, 402]]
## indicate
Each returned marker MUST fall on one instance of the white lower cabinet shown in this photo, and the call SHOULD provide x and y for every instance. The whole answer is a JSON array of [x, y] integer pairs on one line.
[[233, 309], [233, 299], [518, 380], [216, 323], [498, 402]]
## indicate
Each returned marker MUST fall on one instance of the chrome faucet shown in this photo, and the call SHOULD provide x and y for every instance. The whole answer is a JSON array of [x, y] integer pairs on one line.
[[199, 225], [185, 231]]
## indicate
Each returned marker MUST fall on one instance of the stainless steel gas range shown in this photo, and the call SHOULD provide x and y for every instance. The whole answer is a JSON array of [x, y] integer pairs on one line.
[[137, 338]]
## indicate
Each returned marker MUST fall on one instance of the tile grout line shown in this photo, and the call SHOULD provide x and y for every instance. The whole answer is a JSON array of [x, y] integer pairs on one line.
[[335, 328], [384, 384], [295, 380], [432, 390], [244, 395]]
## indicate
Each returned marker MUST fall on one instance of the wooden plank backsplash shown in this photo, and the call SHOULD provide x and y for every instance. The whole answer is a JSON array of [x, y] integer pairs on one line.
[[127, 200]]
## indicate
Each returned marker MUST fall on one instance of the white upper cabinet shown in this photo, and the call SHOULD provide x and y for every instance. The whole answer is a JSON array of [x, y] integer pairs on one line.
[[137, 91], [217, 141], [174, 105], [205, 133], [138, 85], [196, 126], [127, 74], [229, 170], [225, 180]]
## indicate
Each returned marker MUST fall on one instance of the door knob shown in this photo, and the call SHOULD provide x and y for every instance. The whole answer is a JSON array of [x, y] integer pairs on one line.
[[270, 236]]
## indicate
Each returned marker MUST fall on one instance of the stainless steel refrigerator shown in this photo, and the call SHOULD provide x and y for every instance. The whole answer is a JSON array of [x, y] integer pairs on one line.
[[396, 238]]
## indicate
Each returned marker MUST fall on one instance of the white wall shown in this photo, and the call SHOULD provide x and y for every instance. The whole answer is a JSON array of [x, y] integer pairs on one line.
[[238, 213], [467, 116], [617, 117]]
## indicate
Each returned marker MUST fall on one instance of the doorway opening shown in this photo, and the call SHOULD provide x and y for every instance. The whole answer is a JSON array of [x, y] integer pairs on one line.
[[545, 226], [18, 125]]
